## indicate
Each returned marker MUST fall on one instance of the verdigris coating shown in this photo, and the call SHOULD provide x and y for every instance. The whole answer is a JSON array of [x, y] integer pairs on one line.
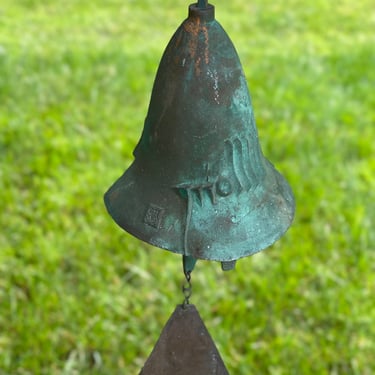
[[200, 185]]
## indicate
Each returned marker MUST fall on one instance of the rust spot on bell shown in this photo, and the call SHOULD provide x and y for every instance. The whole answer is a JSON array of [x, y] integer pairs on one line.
[[198, 41]]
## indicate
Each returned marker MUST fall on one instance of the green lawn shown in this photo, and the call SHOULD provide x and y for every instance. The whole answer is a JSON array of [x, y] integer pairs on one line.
[[80, 296]]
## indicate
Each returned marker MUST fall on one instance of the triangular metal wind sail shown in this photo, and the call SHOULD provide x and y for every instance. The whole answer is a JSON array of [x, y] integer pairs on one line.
[[185, 347]]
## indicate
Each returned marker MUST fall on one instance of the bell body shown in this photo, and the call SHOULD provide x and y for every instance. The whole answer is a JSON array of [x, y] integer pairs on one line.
[[200, 185]]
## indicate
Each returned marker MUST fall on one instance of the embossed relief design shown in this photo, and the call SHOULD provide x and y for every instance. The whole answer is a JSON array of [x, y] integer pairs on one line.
[[239, 171], [153, 216], [244, 163]]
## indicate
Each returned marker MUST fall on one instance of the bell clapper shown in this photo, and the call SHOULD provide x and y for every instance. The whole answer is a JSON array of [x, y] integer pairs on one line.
[[228, 265]]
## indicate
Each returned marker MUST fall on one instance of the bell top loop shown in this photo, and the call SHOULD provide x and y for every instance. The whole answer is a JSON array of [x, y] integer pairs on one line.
[[202, 3], [204, 12]]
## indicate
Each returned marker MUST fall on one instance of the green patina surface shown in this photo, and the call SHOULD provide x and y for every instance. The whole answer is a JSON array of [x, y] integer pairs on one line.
[[200, 185], [80, 296]]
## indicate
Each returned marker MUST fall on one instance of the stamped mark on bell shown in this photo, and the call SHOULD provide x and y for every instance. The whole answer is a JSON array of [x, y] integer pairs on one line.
[[154, 216]]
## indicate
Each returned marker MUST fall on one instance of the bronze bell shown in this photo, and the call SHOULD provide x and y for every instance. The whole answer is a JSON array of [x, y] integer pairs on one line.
[[200, 185]]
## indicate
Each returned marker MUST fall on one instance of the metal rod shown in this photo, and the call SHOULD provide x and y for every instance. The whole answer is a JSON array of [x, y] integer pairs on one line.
[[202, 4]]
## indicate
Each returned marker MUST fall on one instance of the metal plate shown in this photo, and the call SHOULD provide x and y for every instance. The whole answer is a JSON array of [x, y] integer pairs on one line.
[[185, 347]]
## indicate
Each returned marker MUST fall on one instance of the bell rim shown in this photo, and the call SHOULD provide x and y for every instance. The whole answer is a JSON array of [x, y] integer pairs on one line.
[[127, 186]]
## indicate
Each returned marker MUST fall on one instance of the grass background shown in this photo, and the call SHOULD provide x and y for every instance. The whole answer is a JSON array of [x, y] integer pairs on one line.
[[78, 295]]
